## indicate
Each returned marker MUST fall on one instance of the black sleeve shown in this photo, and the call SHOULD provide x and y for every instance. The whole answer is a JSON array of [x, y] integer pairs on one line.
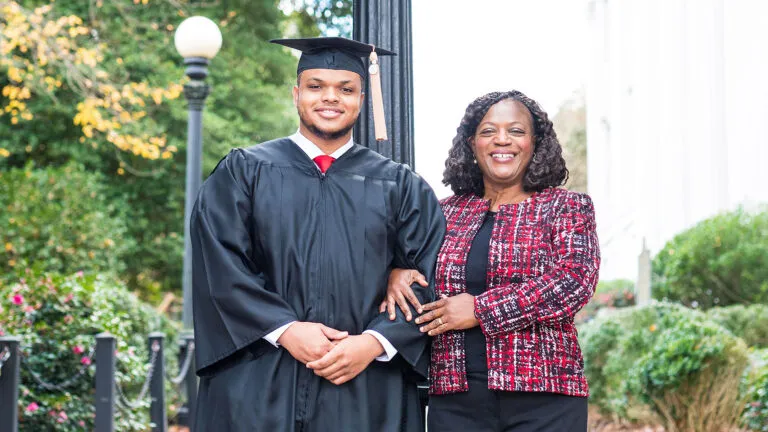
[[420, 235], [233, 302]]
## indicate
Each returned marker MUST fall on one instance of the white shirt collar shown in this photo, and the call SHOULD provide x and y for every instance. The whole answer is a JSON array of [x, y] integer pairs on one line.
[[313, 150]]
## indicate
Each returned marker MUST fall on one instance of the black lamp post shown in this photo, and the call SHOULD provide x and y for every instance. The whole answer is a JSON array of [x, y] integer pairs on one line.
[[197, 39]]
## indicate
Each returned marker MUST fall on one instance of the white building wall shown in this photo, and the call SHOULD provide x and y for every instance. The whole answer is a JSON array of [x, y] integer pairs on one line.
[[677, 97]]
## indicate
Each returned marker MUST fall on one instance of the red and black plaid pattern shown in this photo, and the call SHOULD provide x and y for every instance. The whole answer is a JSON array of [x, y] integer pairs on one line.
[[543, 266]]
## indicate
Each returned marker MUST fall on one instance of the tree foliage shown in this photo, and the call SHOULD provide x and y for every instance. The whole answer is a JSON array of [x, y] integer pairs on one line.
[[316, 17], [98, 84], [718, 262], [59, 220], [571, 127], [59, 58]]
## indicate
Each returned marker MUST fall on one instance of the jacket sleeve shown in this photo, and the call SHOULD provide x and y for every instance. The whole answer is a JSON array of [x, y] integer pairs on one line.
[[558, 294], [233, 303], [421, 227]]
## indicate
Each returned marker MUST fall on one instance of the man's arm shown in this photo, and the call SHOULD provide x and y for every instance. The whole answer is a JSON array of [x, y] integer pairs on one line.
[[421, 227], [233, 306]]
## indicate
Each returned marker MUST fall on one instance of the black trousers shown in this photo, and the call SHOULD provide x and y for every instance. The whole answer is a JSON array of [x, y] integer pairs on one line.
[[484, 410]]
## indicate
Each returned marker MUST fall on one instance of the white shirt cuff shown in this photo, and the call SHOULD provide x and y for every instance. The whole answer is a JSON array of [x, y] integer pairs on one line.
[[389, 350], [275, 335]]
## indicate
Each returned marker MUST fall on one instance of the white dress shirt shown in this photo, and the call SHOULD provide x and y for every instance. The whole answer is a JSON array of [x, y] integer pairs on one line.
[[313, 151]]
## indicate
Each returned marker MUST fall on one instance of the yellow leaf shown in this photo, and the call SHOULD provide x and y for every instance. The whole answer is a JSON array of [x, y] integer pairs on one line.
[[157, 96], [14, 74], [8, 247]]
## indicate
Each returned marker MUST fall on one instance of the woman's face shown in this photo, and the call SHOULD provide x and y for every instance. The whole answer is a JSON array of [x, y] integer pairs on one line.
[[503, 143]]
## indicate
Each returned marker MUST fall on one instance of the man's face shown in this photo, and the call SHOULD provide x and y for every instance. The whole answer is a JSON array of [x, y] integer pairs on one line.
[[328, 101]]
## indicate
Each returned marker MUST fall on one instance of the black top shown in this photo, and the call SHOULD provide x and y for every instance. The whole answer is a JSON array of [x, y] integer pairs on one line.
[[477, 271], [274, 241]]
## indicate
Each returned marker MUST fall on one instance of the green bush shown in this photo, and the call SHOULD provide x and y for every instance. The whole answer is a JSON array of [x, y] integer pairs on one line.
[[612, 344], [747, 322], [57, 318], [690, 377], [718, 262], [58, 220], [608, 295], [755, 383]]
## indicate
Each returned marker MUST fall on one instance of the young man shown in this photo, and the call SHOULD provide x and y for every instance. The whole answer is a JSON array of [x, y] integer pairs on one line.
[[293, 241]]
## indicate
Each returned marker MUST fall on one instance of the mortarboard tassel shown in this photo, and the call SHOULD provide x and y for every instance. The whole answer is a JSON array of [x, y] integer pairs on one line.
[[379, 124]]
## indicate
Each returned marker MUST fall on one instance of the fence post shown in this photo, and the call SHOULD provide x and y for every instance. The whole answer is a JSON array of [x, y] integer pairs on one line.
[[105, 382], [157, 414], [9, 383], [190, 381]]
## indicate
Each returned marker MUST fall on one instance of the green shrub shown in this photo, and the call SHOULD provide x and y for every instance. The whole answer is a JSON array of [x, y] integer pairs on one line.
[[755, 415], [690, 377], [155, 215], [58, 220], [718, 262], [57, 318], [613, 343], [747, 322]]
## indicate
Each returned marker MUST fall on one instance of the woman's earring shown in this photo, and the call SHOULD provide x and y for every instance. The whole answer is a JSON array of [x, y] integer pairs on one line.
[[474, 161], [535, 158]]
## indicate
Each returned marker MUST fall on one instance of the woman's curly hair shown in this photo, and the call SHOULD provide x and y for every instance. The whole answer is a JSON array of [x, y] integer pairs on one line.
[[546, 169]]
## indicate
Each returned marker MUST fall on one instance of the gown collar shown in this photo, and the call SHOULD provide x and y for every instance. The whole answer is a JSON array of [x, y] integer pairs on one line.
[[313, 151]]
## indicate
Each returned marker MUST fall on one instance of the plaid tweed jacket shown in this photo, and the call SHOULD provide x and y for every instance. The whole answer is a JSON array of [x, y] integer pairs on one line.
[[543, 266]]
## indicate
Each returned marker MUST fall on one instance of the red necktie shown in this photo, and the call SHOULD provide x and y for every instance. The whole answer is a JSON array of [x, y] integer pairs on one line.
[[324, 162]]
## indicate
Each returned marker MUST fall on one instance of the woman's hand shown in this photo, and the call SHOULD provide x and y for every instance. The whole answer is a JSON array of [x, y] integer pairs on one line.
[[449, 313], [399, 289]]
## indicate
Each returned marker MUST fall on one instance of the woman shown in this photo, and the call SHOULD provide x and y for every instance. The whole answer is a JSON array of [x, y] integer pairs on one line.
[[519, 259]]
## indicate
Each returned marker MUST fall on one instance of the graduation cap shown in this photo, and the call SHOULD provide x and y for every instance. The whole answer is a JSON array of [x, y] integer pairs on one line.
[[339, 53]]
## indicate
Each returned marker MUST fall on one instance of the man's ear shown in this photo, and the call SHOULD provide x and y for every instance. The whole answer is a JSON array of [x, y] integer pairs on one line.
[[296, 95]]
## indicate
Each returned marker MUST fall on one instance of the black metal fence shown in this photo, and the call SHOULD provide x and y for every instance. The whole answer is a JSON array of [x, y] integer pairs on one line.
[[108, 392]]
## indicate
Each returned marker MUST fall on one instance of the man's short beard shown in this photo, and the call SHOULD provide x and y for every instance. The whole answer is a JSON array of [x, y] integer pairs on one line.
[[327, 135]]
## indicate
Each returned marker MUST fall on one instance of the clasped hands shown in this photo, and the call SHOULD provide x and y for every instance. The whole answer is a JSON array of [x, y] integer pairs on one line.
[[332, 354], [445, 314]]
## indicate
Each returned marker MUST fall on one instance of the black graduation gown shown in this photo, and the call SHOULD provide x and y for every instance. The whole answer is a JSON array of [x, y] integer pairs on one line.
[[275, 241]]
